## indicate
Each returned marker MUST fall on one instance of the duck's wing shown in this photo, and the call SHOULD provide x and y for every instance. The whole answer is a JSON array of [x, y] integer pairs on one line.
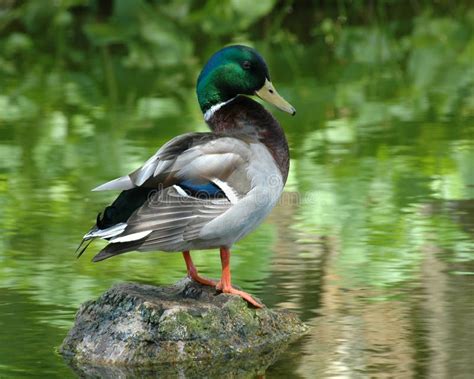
[[192, 155], [169, 220], [164, 204]]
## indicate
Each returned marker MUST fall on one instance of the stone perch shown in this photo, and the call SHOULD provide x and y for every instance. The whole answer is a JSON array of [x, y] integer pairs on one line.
[[185, 326]]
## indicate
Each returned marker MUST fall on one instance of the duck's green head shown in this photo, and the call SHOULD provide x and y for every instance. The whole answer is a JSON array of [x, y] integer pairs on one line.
[[237, 70]]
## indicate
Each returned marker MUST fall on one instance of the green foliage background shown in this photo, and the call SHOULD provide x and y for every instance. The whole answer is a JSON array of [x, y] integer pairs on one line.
[[81, 55]]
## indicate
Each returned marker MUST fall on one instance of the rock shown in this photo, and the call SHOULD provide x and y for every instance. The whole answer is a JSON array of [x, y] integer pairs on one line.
[[184, 328]]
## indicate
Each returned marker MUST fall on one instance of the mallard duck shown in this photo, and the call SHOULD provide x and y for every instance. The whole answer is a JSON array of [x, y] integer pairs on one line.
[[205, 190]]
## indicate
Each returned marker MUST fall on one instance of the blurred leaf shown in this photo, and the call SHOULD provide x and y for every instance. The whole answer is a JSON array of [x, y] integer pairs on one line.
[[102, 34], [154, 108]]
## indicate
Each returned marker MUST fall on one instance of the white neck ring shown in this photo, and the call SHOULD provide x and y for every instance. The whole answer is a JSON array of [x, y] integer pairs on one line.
[[210, 112]]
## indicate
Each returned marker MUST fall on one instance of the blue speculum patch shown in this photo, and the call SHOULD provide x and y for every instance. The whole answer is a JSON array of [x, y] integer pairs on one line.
[[202, 190]]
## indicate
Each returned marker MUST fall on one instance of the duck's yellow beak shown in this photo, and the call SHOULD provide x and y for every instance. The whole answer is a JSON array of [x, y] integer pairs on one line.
[[269, 93]]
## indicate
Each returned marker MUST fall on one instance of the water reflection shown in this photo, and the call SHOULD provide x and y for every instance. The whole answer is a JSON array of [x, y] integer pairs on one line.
[[396, 329], [371, 253]]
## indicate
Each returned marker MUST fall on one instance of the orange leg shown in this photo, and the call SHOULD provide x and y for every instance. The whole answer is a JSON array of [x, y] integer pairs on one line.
[[225, 284], [192, 271]]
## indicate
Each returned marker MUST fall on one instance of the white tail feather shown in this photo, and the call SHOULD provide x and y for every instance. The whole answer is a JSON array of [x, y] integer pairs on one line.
[[131, 237], [106, 233], [123, 183]]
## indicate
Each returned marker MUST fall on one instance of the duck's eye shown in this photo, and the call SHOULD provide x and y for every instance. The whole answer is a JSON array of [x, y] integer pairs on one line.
[[246, 65]]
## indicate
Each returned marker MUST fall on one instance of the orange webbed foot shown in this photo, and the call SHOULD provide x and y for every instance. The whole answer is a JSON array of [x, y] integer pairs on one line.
[[244, 295]]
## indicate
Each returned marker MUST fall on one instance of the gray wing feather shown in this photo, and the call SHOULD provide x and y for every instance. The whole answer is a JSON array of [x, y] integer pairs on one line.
[[192, 155], [167, 210], [174, 220]]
